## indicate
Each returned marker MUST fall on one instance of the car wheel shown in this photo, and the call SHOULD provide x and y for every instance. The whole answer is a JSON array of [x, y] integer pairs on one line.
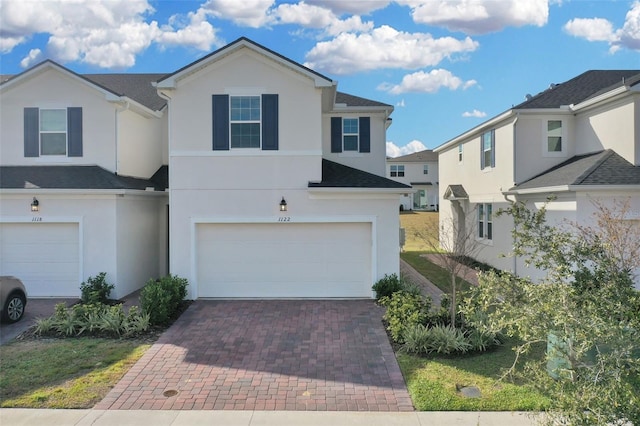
[[13, 308]]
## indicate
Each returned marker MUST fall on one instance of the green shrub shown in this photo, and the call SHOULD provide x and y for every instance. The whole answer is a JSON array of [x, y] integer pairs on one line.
[[404, 310], [162, 299], [482, 341], [96, 290], [441, 339], [386, 286]]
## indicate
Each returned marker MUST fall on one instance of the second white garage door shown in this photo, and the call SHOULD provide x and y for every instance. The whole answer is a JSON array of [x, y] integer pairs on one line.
[[310, 260], [45, 256]]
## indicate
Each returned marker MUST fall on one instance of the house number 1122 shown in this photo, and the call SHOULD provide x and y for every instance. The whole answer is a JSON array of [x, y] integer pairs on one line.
[[284, 219]]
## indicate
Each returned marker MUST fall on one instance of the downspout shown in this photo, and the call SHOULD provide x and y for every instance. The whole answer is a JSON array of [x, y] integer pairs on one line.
[[515, 157]]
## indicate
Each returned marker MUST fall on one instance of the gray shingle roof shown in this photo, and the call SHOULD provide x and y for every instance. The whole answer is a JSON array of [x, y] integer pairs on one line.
[[455, 192], [136, 86], [356, 101], [336, 175], [599, 168], [580, 88], [71, 177], [416, 157]]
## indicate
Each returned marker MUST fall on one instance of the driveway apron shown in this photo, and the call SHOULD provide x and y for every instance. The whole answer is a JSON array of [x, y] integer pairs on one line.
[[322, 355]]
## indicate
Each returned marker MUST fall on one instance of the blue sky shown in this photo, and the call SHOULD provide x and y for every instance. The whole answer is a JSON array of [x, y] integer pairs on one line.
[[446, 66]]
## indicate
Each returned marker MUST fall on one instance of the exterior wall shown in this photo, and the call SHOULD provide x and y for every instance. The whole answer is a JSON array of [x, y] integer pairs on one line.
[[138, 241], [372, 162], [105, 239], [140, 148], [53, 89], [216, 206], [531, 156], [609, 128]]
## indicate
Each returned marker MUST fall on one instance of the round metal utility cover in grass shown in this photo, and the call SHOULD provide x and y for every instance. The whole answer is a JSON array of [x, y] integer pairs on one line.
[[470, 392]]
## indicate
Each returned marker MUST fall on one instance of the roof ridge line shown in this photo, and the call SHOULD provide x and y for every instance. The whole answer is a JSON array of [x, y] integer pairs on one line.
[[607, 154]]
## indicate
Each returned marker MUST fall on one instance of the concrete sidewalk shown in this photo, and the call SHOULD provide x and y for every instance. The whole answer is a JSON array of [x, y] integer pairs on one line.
[[18, 417]]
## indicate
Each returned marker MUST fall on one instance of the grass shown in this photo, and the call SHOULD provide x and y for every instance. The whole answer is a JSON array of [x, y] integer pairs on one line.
[[437, 275], [433, 382], [64, 373]]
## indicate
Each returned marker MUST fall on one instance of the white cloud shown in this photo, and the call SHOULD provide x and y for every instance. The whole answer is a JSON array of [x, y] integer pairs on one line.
[[431, 82], [600, 29], [350, 6], [310, 16], [394, 150], [478, 16], [249, 13], [384, 47], [106, 34], [475, 113], [629, 35], [33, 57], [596, 29]]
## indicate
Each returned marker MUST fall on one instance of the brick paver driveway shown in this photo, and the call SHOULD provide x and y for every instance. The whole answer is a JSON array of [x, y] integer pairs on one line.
[[268, 355]]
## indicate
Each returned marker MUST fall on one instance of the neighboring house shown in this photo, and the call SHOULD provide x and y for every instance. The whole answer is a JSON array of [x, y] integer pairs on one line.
[[577, 141], [420, 170], [244, 172]]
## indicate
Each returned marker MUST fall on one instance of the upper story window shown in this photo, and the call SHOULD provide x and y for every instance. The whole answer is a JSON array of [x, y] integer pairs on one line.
[[245, 122], [425, 169], [460, 150], [53, 132], [553, 143], [397, 170], [350, 134], [488, 149], [485, 221]]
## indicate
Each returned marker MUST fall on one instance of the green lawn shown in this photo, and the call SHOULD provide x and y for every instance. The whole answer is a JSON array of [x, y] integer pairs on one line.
[[437, 275], [433, 382], [64, 373]]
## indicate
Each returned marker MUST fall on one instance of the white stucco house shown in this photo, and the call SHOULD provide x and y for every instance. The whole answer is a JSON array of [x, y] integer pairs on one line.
[[577, 141], [244, 172], [420, 170]]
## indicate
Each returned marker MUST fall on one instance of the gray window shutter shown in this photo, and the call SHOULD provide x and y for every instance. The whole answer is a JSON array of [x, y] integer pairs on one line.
[[365, 134], [31, 132], [270, 122], [74, 131], [336, 134], [493, 148], [220, 116]]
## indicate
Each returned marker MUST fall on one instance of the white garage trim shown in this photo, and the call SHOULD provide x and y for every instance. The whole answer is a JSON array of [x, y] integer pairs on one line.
[[33, 222], [283, 221]]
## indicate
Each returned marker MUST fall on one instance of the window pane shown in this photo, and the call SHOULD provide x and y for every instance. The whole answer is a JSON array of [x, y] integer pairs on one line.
[[489, 211], [350, 125], [554, 144], [245, 135], [245, 108], [554, 127], [53, 144], [53, 120], [425, 169], [489, 231], [350, 143], [487, 158], [486, 141]]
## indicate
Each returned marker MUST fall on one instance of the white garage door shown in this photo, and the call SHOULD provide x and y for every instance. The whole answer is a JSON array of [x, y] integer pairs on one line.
[[45, 256], [316, 260]]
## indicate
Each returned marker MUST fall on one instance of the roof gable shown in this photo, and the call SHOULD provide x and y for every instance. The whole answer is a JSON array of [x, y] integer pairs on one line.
[[169, 80]]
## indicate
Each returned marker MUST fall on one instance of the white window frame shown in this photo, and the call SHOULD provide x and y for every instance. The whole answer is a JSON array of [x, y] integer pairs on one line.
[[545, 138], [45, 132], [425, 169], [460, 153], [485, 151], [398, 172], [346, 134], [485, 222], [232, 122]]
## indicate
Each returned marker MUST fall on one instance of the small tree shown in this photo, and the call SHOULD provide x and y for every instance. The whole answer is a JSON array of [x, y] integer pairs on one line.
[[452, 252], [585, 308]]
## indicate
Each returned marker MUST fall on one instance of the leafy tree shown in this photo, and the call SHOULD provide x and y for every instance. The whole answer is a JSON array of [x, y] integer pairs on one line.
[[585, 308]]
